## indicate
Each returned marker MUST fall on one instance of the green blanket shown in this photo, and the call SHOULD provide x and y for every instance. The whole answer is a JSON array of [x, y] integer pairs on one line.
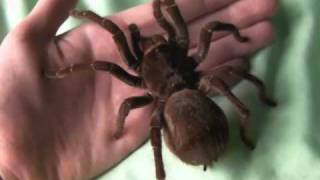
[[288, 140]]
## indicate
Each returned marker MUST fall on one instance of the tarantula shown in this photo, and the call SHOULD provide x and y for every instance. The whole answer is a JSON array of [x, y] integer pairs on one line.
[[195, 128]]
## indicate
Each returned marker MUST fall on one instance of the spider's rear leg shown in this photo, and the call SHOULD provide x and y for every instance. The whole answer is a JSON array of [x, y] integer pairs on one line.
[[219, 72], [155, 136], [242, 74], [118, 35], [128, 105], [256, 82], [207, 33], [112, 68], [211, 83]]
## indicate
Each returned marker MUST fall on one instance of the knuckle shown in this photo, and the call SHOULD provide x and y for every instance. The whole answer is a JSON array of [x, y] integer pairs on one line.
[[23, 31], [29, 30], [266, 31]]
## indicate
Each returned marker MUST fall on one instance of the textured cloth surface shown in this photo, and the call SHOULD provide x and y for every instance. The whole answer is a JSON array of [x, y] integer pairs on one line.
[[288, 138]]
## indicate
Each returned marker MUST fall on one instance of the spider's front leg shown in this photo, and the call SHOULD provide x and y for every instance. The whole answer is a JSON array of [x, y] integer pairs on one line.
[[162, 21], [207, 33], [179, 24], [118, 35], [112, 68], [155, 136], [136, 38]]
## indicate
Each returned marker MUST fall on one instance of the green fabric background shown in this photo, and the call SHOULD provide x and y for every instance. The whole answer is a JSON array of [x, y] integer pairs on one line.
[[288, 138]]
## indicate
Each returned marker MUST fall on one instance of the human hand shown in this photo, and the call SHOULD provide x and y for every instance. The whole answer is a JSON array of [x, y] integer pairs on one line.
[[61, 129]]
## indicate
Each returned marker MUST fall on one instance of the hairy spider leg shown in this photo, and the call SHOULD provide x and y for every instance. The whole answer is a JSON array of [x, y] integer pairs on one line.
[[125, 108], [204, 167], [162, 21], [135, 40], [256, 82], [117, 34], [207, 33], [155, 136], [209, 83], [112, 68], [181, 28]]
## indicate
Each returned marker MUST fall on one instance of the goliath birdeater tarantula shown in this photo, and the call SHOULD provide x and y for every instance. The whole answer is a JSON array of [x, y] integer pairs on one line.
[[195, 128]]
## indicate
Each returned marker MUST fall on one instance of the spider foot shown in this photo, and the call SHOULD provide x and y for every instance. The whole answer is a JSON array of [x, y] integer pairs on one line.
[[247, 140], [117, 134], [242, 39], [269, 102], [204, 167], [250, 144], [133, 28]]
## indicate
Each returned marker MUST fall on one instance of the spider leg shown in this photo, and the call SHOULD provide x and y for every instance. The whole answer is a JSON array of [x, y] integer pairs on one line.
[[136, 39], [118, 35], [112, 68], [162, 21], [206, 35], [256, 82], [128, 105], [209, 83], [181, 28], [155, 136], [242, 74], [204, 167]]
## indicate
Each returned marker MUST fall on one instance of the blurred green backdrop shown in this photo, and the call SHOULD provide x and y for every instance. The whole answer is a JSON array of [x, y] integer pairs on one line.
[[288, 136]]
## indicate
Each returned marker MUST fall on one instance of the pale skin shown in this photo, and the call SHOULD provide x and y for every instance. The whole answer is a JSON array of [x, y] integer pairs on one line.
[[62, 129]]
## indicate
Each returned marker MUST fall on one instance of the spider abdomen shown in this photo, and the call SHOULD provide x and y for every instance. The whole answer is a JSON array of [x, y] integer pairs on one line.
[[196, 129]]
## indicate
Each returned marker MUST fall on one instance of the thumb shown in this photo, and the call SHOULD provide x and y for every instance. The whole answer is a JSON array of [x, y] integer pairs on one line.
[[48, 15]]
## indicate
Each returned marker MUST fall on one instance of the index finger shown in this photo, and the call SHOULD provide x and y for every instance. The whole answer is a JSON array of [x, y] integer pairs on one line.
[[46, 18]]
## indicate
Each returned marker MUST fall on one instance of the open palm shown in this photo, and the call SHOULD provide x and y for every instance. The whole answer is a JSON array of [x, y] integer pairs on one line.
[[62, 128]]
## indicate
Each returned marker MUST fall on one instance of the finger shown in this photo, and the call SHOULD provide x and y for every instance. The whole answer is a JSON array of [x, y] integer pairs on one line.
[[143, 15], [228, 48], [242, 14], [256, 10], [47, 16]]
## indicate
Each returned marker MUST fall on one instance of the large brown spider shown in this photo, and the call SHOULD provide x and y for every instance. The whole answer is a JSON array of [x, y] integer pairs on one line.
[[195, 128]]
